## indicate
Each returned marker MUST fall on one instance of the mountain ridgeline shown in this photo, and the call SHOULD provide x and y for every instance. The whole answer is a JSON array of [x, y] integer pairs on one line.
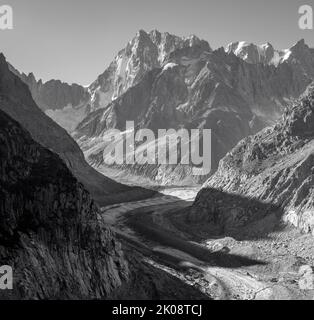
[[64, 103], [142, 54]]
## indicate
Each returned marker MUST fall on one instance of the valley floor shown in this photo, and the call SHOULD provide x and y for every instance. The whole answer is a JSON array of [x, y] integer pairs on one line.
[[264, 267]]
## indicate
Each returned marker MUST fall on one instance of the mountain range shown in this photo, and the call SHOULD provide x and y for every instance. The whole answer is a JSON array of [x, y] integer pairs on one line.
[[259, 103], [160, 81]]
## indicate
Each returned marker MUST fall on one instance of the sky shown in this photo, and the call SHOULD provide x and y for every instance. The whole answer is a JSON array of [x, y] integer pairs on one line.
[[75, 40]]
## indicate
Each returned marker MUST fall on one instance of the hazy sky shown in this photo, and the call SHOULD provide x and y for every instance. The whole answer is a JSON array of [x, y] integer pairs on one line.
[[75, 40]]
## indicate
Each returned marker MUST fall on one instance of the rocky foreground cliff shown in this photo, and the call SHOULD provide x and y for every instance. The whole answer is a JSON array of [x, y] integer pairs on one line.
[[49, 232], [271, 172], [52, 236]]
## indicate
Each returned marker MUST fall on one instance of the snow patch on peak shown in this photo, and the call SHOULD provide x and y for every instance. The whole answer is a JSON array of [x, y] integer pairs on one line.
[[241, 46], [264, 53], [169, 65], [287, 54]]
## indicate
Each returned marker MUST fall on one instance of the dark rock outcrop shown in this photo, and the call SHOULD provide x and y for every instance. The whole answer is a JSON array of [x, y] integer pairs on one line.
[[49, 231]]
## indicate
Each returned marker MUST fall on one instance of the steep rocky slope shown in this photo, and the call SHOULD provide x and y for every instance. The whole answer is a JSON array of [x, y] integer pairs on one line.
[[273, 168], [49, 232], [196, 88], [52, 236], [16, 100], [65, 104]]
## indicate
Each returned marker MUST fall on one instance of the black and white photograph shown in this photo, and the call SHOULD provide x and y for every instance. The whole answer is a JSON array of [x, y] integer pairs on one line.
[[155, 150]]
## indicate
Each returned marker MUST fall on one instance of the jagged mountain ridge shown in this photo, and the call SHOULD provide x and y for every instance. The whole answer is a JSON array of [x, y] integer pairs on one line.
[[199, 88], [64, 103], [275, 166], [68, 104], [53, 94], [145, 52], [299, 54], [16, 100]]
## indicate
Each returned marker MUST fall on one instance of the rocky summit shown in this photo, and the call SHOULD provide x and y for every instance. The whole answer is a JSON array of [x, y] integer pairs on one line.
[[162, 81], [268, 172], [145, 52], [64, 103]]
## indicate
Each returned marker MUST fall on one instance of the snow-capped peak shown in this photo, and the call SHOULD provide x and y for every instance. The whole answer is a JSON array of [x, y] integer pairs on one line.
[[169, 65], [264, 53]]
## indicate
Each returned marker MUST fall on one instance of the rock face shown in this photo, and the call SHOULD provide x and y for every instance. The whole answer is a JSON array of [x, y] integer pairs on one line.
[[16, 100], [49, 232], [275, 167], [65, 104], [143, 53], [194, 88]]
